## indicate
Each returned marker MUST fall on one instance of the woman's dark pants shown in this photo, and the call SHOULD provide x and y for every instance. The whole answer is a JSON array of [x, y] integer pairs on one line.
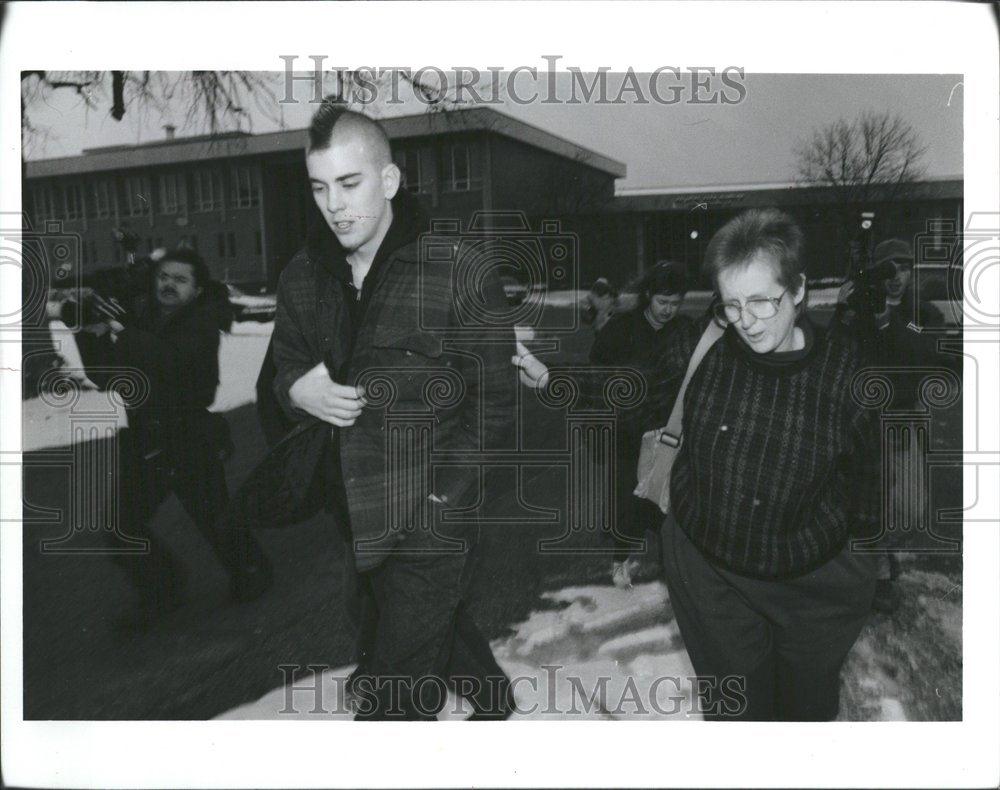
[[768, 650]]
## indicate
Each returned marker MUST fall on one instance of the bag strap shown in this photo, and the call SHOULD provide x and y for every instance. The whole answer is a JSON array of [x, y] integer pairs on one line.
[[671, 435]]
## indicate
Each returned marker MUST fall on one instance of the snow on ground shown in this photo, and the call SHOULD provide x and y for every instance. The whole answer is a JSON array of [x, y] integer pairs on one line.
[[596, 656], [597, 652], [240, 356], [54, 421]]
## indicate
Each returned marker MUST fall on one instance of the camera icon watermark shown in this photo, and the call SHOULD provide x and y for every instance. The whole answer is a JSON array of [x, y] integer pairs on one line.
[[49, 259], [500, 273], [956, 274]]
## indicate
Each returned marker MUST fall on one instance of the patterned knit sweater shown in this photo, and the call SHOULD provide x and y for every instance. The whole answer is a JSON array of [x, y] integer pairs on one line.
[[779, 465]]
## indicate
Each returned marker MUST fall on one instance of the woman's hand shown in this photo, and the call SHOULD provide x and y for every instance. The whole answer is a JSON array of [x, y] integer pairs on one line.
[[533, 373]]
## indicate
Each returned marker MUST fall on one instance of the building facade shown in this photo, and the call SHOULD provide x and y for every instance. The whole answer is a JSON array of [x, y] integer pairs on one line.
[[243, 201]]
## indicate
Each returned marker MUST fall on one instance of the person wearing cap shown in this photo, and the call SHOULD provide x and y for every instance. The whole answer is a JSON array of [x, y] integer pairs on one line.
[[891, 337]]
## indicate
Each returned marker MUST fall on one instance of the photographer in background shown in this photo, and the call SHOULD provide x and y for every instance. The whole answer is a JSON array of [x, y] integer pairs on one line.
[[878, 305], [172, 443], [602, 303]]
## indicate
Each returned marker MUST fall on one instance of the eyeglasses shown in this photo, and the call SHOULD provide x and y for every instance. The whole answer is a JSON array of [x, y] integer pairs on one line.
[[732, 312]]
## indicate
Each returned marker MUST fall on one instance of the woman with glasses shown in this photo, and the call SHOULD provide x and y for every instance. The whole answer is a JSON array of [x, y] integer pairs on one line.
[[778, 467]]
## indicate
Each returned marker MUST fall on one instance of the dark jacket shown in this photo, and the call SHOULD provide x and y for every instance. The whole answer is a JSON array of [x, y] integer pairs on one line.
[[894, 343], [431, 383], [174, 361], [629, 341]]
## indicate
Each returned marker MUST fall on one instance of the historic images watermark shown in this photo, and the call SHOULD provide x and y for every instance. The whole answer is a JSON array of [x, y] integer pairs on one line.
[[556, 83], [313, 689]]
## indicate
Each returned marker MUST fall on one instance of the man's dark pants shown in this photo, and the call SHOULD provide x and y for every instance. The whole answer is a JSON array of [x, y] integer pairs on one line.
[[422, 635], [785, 640], [198, 479]]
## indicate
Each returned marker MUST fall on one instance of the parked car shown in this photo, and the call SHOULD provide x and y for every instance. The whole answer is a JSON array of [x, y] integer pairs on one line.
[[247, 307]]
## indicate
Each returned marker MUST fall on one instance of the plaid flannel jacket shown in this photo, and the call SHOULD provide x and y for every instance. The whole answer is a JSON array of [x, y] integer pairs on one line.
[[436, 382]]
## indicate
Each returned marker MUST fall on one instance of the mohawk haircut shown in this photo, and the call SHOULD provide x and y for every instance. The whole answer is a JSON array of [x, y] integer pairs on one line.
[[333, 118]]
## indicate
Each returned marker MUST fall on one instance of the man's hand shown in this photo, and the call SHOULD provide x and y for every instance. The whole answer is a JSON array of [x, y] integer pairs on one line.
[[845, 292], [112, 312], [533, 373], [316, 394]]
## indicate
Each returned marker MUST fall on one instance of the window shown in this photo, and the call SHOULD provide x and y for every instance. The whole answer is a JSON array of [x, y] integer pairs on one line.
[[461, 168], [226, 244], [207, 190], [74, 201], [137, 194], [415, 178], [100, 207], [45, 203], [246, 192], [172, 196]]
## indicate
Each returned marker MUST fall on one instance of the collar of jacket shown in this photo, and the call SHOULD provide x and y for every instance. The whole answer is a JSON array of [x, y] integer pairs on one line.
[[409, 220]]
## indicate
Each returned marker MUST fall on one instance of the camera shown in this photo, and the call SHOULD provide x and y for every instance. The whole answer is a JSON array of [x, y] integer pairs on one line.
[[869, 280], [501, 245]]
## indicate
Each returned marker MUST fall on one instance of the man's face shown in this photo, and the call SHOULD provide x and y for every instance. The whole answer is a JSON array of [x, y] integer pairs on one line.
[[176, 285], [758, 280], [896, 286], [663, 307], [352, 191]]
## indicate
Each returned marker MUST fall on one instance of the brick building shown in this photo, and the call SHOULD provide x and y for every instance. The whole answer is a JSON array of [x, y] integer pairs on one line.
[[677, 224], [243, 200]]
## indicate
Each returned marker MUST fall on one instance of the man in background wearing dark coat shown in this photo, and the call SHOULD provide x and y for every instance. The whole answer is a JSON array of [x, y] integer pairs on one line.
[[170, 335]]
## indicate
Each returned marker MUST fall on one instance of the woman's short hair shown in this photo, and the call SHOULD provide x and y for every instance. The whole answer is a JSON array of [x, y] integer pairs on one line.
[[666, 277], [752, 232]]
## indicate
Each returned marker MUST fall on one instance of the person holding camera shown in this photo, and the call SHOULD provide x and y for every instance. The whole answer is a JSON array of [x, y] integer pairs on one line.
[[172, 442], [775, 474], [601, 304], [636, 339], [878, 306], [359, 338]]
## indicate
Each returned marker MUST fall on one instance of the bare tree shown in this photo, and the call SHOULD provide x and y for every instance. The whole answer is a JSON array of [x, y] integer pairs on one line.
[[214, 101], [873, 155]]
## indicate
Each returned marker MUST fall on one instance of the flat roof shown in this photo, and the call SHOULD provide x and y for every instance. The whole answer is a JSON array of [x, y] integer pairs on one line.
[[772, 194], [235, 144]]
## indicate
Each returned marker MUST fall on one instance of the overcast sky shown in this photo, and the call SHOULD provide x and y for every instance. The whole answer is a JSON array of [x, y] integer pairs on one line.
[[681, 144]]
